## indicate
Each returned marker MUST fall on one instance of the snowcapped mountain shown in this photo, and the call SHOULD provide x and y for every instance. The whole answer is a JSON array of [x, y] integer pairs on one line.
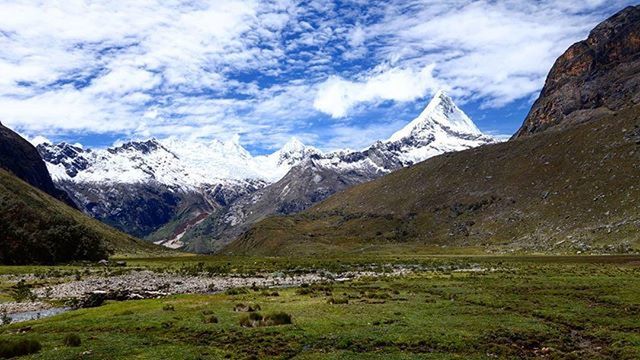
[[142, 186], [200, 195], [172, 162], [441, 127]]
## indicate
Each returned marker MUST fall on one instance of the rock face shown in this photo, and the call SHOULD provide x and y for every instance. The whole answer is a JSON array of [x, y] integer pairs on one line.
[[594, 77], [21, 158]]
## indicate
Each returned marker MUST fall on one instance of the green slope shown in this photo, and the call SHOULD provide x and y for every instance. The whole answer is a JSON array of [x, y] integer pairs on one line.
[[36, 228], [558, 191]]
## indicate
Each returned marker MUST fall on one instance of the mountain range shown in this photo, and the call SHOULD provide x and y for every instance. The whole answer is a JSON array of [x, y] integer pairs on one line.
[[199, 196], [567, 182]]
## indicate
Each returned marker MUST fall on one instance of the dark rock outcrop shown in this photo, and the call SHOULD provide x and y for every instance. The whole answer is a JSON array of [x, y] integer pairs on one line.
[[594, 77], [21, 158]]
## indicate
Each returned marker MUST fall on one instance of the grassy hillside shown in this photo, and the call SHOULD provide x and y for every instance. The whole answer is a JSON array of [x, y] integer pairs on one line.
[[38, 228], [576, 190]]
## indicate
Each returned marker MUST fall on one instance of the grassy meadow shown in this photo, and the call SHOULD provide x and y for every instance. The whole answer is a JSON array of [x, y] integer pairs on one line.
[[490, 307]]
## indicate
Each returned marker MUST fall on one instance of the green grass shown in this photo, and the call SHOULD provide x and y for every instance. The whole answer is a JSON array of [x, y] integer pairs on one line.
[[564, 307]]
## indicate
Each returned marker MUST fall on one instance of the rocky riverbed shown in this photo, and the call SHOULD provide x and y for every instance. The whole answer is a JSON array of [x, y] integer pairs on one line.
[[143, 284]]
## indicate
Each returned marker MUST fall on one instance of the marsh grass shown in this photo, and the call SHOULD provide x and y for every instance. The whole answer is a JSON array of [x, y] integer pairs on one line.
[[526, 307], [21, 347]]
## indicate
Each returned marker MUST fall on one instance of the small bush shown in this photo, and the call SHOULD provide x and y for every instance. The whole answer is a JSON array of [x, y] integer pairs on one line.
[[304, 291], [251, 320], [5, 319], [166, 325], [22, 291], [168, 307], [210, 319], [279, 318], [72, 340], [376, 295], [9, 349], [256, 319], [236, 291]]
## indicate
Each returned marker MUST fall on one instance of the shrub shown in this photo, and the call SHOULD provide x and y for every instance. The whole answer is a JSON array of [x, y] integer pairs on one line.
[[14, 348], [256, 319], [236, 291], [21, 292], [279, 318], [72, 340], [166, 325], [212, 319], [251, 320], [5, 319], [304, 291], [376, 295]]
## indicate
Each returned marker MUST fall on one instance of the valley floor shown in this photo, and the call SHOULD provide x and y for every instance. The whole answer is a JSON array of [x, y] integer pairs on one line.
[[401, 307]]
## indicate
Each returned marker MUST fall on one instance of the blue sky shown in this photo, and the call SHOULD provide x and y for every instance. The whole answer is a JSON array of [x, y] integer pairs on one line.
[[334, 74]]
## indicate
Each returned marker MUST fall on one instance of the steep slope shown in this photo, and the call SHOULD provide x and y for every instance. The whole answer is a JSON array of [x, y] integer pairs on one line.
[[36, 228], [19, 157], [441, 127], [594, 77], [564, 191]]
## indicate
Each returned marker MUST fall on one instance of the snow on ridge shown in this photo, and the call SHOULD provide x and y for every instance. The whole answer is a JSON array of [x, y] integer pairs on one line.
[[171, 161], [441, 127]]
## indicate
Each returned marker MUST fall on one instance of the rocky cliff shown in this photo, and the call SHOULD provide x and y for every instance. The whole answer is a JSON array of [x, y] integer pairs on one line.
[[594, 77]]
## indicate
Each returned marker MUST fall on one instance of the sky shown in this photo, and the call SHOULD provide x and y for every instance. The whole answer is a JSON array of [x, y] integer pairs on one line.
[[335, 74]]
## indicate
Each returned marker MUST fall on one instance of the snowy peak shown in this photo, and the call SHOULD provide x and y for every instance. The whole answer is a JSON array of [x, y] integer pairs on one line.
[[171, 161], [440, 114], [441, 127], [294, 145], [277, 164], [142, 147], [63, 160], [293, 152]]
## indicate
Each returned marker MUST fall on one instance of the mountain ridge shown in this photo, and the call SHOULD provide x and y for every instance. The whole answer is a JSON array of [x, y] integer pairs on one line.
[[164, 189]]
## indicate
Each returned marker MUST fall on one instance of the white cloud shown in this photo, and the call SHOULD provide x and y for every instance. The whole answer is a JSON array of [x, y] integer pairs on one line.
[[266, 69], [496, 52], [336, 96]]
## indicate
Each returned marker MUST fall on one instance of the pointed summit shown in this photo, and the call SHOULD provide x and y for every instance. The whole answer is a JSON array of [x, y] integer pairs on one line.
[[293, 145], [441, 112], [293, 152]]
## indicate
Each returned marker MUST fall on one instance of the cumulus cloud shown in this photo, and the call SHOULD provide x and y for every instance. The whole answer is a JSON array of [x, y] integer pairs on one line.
[[496, 52], [269, 69], [336, 96]]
